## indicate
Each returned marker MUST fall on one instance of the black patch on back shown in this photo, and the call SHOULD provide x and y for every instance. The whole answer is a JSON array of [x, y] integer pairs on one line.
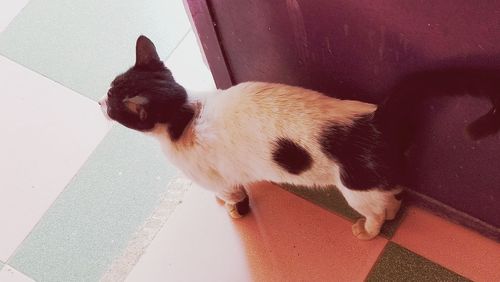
[[364, 158], [291, 156]]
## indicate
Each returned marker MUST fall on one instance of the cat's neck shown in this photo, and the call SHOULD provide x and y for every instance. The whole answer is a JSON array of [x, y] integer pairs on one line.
[[179, 129], [183, 120]]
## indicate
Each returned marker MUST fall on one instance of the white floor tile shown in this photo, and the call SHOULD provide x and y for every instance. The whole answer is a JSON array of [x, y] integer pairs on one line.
[[47, 133], [8, 10], [167, 257], [9, 274], [188, 67]]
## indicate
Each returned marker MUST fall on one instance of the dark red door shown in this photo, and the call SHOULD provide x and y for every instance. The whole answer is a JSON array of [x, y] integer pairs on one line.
[[355, 49]]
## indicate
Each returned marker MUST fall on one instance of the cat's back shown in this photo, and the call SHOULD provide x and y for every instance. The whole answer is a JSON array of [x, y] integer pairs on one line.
[[286, 105], [241, 127], [256, 113]]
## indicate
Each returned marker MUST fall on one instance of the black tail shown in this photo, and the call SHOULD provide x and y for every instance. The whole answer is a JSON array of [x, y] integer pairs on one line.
[[397, 117]]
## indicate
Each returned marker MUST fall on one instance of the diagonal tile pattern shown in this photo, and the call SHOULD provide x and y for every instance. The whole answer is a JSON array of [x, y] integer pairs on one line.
[[457, 248], [94, 217], [70, 204], [398, 264], [331, 199], [48, 131], [83, 44], [285, 238]]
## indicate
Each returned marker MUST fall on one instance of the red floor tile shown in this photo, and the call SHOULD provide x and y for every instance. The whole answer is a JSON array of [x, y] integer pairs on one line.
[[450, 245], [285, 238]]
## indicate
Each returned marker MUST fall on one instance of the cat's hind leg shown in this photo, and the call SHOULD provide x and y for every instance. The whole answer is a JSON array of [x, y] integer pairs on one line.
[[235, 200], [394, 204], [375, 205]]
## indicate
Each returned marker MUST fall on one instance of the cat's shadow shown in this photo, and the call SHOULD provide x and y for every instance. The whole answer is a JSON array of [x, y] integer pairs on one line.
[[288, 238]]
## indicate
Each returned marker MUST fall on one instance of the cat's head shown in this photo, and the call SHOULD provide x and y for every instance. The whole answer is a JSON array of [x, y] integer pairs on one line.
[[146, 94]]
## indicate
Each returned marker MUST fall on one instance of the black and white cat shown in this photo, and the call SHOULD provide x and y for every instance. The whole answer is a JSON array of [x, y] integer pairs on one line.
[[256, 131]]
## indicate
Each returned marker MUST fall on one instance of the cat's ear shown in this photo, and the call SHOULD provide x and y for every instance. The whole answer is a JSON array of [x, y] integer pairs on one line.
[[145, 52], [137, 105]]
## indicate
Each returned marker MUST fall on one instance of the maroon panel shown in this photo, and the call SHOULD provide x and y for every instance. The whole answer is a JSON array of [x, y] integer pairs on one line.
[[202, 22], [325, 44], [355, 49]]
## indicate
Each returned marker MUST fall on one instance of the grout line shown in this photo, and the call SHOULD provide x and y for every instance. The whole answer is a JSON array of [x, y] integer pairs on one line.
[[13, 18], [43, 75], [75, 91], [178, 43], [26, 275], [123, 264], [379, 257]]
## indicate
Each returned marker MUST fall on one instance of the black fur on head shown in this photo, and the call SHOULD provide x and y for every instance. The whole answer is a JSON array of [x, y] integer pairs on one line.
[[147, 94]]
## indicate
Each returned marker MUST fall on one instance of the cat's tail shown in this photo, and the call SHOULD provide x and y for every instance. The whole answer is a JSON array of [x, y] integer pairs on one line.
[[398, 116]]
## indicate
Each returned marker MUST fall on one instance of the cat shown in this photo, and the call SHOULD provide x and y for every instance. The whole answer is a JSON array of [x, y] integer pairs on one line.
[[257, 131]]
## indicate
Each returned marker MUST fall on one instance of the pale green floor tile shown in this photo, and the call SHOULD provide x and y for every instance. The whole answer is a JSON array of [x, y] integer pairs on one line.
[[95, 216], [83, 44]]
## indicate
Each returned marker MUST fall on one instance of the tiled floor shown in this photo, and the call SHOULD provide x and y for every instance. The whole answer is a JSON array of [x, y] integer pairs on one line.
[[9, 11], [9, 274], [284, 239], [450, 245], [82, 200], [74, 191], [287, 238], [35, 146]]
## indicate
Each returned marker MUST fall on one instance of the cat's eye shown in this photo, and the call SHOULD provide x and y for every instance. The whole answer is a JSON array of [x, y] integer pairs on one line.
[[110, 93]]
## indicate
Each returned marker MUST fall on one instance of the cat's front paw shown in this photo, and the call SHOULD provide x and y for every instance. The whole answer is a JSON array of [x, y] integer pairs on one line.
[[359, 230], [239, 209]]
